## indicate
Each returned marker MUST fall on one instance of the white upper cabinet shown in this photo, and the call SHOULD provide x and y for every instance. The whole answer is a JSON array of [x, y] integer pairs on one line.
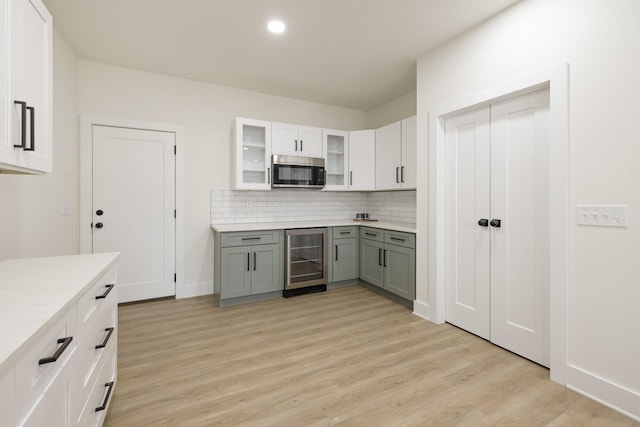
[[396, 156], [362, 160], [408, 171], [252, 154], [25, 86], [295, 140], [336, 154]]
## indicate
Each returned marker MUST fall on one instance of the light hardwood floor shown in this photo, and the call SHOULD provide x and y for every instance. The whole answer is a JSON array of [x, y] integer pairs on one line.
[[347, 357]]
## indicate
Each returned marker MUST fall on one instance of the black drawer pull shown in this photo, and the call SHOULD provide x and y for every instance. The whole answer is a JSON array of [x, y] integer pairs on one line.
[[106, 398], [251, 238], [384, 257], [345, 232], [336, 252], [379, 256], [397, 239], [106, 339], [65, 343], [32, 128], [23, 125], [370, 234], [109, 289]]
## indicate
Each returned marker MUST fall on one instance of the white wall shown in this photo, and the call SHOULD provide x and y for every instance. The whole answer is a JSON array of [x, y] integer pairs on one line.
[[31, 221], [600, 40], [207, 112], [397, 109]]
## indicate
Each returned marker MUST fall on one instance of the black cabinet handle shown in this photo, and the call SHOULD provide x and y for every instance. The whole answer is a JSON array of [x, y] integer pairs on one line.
[[370, 234], [65, 343], [248, 261], [379, 256], [296, 145], [106, 398], [300, 145], [109, 289], [483, 222], [397, 179], [495, 223], [402, 174], [345, 232], [350, 177], [32, 129], [336, 252], [106, 339], [254, 261], [23, 114], [251, 238], [384, 257], [397, 239], [268, 175]]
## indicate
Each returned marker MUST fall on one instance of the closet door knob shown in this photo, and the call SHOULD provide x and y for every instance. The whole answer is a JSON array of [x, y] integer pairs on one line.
[[495, 223], [483, 222]]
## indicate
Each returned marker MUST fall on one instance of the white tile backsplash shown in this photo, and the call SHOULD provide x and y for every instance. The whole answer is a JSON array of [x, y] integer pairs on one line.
[[229, 207]]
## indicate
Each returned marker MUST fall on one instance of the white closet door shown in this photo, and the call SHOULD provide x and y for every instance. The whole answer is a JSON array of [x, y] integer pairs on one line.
[[520, 246], [467, 183]]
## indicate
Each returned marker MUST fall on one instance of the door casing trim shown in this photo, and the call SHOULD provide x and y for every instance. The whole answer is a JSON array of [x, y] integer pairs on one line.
[[556, 78], [86, 188]]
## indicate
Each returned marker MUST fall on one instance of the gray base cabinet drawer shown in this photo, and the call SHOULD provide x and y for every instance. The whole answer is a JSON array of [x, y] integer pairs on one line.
[[408, 240], [372, 234], [345, 232], [244, 238]]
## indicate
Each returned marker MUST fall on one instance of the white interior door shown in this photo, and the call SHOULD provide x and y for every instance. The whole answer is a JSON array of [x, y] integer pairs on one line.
[[497, 273], [467, 271], [520, 247], [133, 208]]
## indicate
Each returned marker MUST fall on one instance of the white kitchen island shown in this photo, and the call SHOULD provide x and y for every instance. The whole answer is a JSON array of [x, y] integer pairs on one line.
[[58, 339]]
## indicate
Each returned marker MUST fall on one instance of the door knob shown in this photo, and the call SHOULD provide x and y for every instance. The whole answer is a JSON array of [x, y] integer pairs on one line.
[[99, 212], [483, 222], [99, 225], [495, 223]]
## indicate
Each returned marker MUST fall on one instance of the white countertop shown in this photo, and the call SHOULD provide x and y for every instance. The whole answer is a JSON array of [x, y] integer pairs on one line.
[[255, 226], [35, 291]]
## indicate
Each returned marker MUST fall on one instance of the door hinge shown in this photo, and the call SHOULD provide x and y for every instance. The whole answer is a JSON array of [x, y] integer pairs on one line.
[[175, 149], [175, 278]]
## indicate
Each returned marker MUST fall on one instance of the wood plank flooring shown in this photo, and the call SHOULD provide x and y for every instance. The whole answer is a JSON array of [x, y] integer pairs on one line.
[[347, 357]]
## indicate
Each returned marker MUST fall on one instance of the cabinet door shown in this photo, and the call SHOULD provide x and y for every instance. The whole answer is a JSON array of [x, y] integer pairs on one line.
[[409, 154], [400, 271], [265, 271], [30, 83], [235, 272], [310, 139], [284, 139], [371, 268], [252, 154], [345, 259], [335, 146], [362, 160], [388, 157]]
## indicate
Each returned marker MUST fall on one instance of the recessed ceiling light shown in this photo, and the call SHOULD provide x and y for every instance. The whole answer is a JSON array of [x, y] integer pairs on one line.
[[276, 27]]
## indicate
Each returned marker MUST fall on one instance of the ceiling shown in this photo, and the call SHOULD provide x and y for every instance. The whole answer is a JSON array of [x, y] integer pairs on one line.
[[352, 53]]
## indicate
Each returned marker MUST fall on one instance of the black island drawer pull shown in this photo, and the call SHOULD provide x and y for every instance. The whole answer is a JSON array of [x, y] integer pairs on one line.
[[398, 239], [23, 136], [106, 339], [65, 343], [370, 234], [106, 398], [345, 232], [109, 289], [32, 129], [251, 238]]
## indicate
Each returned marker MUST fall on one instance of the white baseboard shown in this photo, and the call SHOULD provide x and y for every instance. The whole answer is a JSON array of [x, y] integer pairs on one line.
[[422, 309], [612, 395], [194, 290]]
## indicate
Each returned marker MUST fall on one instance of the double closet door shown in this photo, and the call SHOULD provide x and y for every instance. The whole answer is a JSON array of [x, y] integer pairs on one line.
[[497, 223]]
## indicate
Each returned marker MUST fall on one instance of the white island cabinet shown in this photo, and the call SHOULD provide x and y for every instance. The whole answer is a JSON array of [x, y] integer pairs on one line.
[[58, 322]]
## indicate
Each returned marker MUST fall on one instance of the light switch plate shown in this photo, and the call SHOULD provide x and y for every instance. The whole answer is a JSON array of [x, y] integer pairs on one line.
[[602, 215]]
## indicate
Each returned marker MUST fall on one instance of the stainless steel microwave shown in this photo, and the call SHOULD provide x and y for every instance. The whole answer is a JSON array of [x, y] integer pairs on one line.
[[297, 172]]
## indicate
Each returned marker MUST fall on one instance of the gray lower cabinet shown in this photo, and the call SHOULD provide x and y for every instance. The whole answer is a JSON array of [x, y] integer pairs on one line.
[[388, 260], [345, 254], [248, 269]]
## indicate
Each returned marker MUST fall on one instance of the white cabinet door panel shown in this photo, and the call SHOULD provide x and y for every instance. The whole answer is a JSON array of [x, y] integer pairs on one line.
[[388, 157]]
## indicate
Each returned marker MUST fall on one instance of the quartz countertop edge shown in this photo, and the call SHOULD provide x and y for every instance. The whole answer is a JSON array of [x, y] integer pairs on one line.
[[255, 226], [36, 292]]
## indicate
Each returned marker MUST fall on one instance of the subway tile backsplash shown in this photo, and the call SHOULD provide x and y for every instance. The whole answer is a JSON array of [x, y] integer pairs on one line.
[[236, 207]]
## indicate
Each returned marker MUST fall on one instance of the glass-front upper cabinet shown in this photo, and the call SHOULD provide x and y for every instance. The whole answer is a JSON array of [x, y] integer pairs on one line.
[[336, 153], [252, 154]]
